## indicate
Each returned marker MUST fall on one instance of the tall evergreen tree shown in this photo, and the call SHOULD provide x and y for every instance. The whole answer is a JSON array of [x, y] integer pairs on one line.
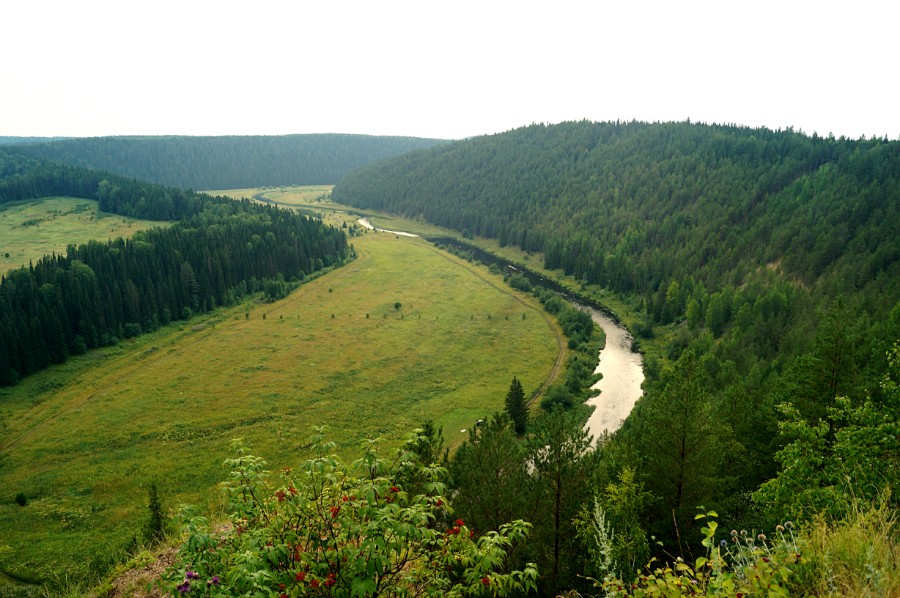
[[516, 407], [562, 461], [490, 477]]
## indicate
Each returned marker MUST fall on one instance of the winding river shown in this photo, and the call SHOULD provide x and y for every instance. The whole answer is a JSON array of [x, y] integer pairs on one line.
[[623, 374], [622, 369]]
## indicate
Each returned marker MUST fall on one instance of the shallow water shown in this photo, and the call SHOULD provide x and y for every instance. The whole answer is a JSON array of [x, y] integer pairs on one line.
[[623, 374]]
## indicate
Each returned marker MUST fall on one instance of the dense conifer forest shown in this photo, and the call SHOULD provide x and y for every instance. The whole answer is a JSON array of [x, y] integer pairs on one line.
[[228, 162], [767, 263], [217, 251]]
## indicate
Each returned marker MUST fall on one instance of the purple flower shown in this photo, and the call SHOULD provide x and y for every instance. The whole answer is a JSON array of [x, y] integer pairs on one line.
[[191, 575], [184, 588], [214, 581]]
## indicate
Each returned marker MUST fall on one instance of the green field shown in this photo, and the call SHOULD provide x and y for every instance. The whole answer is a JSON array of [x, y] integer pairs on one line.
[[317, 200], [30, 230], [289, 196], [83, 440]]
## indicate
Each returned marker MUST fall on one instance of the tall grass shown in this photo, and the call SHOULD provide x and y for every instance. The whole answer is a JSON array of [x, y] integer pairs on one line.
[[857, 556]]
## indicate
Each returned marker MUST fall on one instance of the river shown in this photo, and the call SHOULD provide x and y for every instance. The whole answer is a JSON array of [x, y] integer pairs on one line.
[[622, 368], [623, 374]]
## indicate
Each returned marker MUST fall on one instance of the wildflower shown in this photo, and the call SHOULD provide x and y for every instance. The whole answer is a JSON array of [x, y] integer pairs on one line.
[[279, 495], [788, 525], [761, 537], [184, 588], [485, 581], [439, 502], [460, 522], [334, 512], [733, 533], [743, 533], [314, 583], [779, 528], [191, 575], [330, 580], [214, 581], [281, 587], [765, 559], [345, 498], [395, 489], [723, 543], [300, 576], [292, 490]]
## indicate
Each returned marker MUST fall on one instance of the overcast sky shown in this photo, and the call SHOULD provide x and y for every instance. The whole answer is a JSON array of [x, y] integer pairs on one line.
[[443, 69]]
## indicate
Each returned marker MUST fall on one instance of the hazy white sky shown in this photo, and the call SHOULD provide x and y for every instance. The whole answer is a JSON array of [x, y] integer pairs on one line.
[[432, 68]]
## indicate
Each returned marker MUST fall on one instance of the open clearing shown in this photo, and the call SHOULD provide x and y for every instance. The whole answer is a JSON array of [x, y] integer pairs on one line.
[[30, 230], [83, 440]]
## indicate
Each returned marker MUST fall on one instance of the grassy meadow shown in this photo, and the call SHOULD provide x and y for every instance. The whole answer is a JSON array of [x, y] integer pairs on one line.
[[83, 440], [317, 200], [30, 230], [289, 196]]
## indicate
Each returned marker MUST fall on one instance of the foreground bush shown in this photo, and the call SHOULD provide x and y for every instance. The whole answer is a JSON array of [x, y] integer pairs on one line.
[[335, 530], [856, 556]]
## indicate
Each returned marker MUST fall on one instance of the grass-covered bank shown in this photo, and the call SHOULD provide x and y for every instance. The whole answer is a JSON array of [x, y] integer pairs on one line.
[[83, 440]]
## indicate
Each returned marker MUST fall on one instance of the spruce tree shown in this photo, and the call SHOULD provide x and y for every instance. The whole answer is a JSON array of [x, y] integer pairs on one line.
[[155, 526], [516, 407]]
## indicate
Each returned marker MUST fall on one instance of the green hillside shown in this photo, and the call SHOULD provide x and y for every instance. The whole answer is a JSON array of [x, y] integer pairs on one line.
[[632, 206], [227, 162]]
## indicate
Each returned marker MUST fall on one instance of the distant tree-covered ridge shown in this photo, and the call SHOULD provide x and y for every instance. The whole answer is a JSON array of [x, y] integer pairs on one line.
[[226, 162], [217, 251], [11, 140]]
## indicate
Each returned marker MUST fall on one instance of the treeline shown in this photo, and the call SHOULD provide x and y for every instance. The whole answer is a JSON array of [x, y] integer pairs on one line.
[[226, 162], [98, 293], [763, 266]]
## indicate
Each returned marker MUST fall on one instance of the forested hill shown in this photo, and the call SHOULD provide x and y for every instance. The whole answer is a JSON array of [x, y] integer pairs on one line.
[[635, 206], [227, 162], [762, 269]]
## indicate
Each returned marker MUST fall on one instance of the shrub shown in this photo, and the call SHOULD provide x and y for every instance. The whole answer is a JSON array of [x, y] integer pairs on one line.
[[333, 529]]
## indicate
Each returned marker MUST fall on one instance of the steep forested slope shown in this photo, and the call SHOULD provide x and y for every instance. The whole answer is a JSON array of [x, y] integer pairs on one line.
[[218, 251], [228, 162], [632, 206], [769, 261]]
